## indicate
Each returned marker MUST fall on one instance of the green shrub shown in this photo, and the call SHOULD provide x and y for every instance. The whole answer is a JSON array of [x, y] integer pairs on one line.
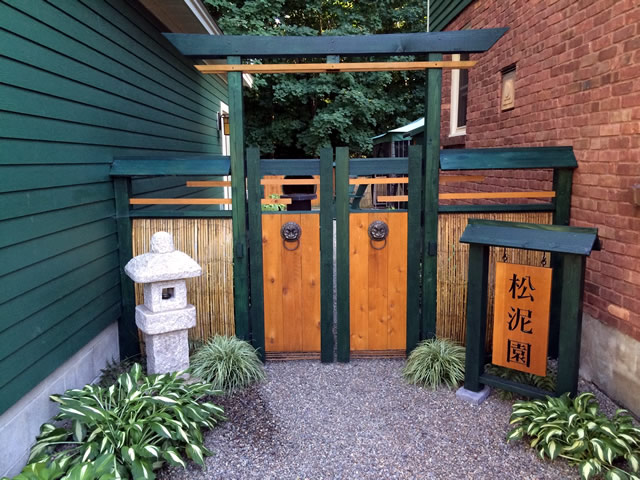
[[578, 431], [434, 362], [547, 382], [112, 370], [130, 428], [227, 363]]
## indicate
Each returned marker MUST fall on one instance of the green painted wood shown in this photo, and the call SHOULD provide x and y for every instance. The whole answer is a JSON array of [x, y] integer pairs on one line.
[[444, 11], [181, 214], [414, 246], [431, 172], [357, 197], [17, 178], [342, 253], [326, 255], [562, 185], [511, 386], [379, 166], [570, 323], [531, 236], [127, 329], [254, 207], [523, 207], [207, 46], [306, 166], [476, 316], [507, 158], [239, 205], [171, 165]]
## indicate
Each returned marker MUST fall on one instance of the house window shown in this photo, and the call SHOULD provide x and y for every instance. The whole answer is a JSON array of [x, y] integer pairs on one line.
[[401, 148], [459, 92]]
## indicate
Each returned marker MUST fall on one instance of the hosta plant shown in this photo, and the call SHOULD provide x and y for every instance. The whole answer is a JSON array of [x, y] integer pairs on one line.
[[227, 363], [547, 382], [577, 430], [434, 362], [137, 424]]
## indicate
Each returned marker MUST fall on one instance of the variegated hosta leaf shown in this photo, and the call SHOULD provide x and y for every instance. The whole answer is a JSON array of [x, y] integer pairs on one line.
[[142, 470], [104, 464], [79, 430], [128, 453], [633, 460], [515, 434], [587, 470], [174, 458], [598, 448], [553, 450], [161, 430], [196, 454], [165, 400], [615, 474]]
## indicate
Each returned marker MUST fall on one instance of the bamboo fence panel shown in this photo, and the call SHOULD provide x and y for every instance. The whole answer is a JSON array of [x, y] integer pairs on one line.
[[209, 241], [453, 260]]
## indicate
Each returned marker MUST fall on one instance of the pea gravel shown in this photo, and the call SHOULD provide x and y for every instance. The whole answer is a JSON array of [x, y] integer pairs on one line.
[[362, 421]]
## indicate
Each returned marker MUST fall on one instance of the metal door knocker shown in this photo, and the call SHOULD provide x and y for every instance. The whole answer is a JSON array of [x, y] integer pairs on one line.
[[290, 233], [378, 232]]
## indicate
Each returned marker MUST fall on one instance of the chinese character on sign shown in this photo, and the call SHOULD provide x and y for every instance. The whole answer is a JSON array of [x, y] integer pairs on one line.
[[520, 317], [518, 288], [518, 352]]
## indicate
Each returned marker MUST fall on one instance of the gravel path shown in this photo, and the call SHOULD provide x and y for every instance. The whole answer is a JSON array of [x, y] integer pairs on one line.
[[361, 421]]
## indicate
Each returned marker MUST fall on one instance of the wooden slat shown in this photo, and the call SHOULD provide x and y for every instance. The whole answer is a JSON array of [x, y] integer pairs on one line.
[[276, 201], [326, 253], [291, 272], [310, 282], [393, 181], [331, 67], [507, 158], [201, 201], [272, 280], [290, 181], [342, 252], [359, 281], [473, 196], [397, 281], [378, 289], [208, 183], [164, 165]]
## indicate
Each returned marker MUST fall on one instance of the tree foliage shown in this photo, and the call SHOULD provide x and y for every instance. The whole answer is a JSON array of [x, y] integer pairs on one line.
[[295, 115]]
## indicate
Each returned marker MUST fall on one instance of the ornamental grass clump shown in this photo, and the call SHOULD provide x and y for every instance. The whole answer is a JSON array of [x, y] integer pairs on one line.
[[434, 362], [576, 429], [227, 363], [126, 430]]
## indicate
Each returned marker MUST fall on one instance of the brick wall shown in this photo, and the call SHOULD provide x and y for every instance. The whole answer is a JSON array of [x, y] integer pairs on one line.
[[578, 84]]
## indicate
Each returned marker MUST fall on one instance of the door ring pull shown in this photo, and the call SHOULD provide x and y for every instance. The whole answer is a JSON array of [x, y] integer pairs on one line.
[[378, 231], [290, 233]]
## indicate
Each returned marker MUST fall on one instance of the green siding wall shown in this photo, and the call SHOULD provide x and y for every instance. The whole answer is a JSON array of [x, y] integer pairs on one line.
[[444, 11], [80, 82]]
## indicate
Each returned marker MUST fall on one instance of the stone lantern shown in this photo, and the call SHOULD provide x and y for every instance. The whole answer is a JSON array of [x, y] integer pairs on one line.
[[165, 316]]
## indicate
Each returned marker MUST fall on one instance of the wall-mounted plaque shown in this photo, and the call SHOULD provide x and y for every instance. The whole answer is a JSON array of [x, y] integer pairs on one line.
[[508, 89], [521, 317]]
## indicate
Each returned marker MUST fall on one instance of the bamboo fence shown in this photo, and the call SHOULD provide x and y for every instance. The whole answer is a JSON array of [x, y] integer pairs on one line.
[[453, 259], [209, 242]]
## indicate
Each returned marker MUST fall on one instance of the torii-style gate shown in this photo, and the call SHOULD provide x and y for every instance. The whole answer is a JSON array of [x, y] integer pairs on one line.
[[250, 318]]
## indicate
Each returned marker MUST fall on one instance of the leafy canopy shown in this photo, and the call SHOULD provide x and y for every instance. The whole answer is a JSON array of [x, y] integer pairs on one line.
[[295, 115]]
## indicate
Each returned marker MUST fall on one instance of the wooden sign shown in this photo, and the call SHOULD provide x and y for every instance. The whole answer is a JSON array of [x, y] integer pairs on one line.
[[521, 317]]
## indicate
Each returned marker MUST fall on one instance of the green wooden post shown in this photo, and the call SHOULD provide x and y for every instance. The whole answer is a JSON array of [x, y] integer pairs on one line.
[[326, 255], [239, 207], [571, 314], [342, 252], [414, 246], [255, 249], [127, 329], [476, 315], [433, 97], [562, 183]]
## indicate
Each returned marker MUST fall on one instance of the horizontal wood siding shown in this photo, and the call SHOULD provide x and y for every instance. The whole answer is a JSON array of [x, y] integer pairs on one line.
[[80, 82]]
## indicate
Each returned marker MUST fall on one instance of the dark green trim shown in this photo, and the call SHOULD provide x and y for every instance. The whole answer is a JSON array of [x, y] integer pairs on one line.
[[210, 46], [170, 165], [357, 197], [523, 207], [431, 153], [239, 211], [476, 315], [571, 318], [511, 386], [326, 255], [342, 252], [305, 166], [377, 210], [127, 329], [507, 158], [379, 166], [443, 12], [180, 214], [256, 312], [414, 246]]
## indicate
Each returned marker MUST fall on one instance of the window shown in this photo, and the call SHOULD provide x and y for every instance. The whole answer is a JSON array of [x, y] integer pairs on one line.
[[459, 92], [401, 148]]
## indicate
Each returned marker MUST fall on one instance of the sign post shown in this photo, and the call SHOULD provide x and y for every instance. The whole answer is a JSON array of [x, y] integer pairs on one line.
[[523, 297]]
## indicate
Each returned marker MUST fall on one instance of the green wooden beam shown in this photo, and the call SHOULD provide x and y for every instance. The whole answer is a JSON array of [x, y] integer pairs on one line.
[[511, 386], [357, 197], [571, 317], [326, 255], [379, 166], [507, 158], [305, 166], [476, 316], [431, 172], [238, 198], [180, 213], [127, 329], [215, 46], [342, 252], [256, 311], [170, 165], [414, 246]]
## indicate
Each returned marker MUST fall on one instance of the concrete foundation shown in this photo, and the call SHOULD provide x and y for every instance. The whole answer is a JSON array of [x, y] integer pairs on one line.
[[476, 398], [611, 360], [20, 425]]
